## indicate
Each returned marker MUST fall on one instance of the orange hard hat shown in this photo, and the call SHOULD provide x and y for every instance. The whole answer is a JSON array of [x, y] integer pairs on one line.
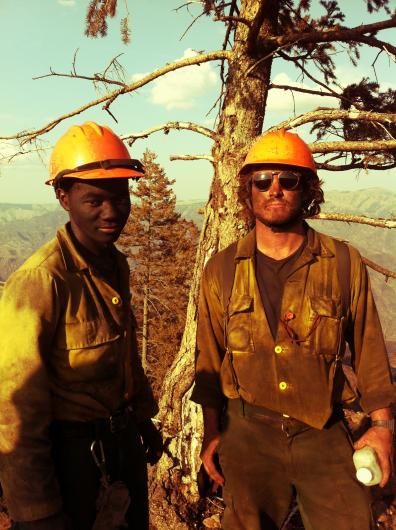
[[280, 147], [92, 151]]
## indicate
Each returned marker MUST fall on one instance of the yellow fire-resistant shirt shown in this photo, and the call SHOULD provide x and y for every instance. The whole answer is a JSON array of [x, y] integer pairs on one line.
[[295, 373], [68, 351]]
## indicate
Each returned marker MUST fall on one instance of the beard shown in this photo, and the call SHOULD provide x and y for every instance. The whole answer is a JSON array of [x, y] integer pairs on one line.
[[280, 220]]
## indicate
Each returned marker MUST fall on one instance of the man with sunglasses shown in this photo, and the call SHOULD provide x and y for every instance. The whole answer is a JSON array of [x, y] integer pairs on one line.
[[75, 405], [275, 313]]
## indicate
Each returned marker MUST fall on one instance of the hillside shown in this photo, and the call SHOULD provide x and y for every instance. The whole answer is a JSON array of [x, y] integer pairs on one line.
[[24, 227]]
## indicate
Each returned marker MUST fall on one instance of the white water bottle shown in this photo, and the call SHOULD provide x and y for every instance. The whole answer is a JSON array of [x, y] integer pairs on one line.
[[368, 470]]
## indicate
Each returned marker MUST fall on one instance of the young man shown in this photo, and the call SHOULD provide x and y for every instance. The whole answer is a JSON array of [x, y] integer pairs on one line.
[[269, 374], [73, 393]]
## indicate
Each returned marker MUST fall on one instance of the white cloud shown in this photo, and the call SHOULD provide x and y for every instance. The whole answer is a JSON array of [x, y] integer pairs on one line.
[[283, 100], [138, 76], [67, 3], [179, 89]]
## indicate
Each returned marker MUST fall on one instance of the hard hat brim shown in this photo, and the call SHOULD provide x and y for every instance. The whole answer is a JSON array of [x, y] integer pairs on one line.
[[286, 163], [94, 174]]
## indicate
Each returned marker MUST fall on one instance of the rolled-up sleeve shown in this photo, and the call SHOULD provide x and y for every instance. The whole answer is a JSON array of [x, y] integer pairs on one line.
[[210, 343], [366, 341], [28, 318]]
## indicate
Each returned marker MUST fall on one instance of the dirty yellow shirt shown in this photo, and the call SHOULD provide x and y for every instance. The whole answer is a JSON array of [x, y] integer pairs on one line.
[[68, 351], [295, 373]]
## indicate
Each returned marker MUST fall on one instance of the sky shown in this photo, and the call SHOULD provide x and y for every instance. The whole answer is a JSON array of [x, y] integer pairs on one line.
[[42, 35]]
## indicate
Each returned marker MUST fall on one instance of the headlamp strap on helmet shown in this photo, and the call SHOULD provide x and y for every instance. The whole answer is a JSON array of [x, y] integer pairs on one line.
[[104, 164]]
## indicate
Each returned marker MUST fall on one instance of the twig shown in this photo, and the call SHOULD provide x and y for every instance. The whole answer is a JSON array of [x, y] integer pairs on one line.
[[95, 78], [178, 125]]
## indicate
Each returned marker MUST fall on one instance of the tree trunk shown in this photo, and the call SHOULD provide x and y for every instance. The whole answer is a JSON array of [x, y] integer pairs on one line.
[[145, 328], [173, 489]]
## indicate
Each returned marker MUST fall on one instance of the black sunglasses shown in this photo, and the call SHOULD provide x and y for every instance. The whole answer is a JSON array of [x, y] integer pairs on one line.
[[288, 180]]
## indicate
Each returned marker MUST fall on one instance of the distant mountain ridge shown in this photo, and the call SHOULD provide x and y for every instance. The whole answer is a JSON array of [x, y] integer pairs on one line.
[[25, 227]]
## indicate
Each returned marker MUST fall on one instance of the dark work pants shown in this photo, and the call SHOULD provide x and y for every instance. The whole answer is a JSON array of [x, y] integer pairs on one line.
[[79, 477], [264, 464]]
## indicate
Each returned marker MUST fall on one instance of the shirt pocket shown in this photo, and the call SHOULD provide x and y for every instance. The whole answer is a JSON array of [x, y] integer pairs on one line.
[[239, 326], [88, 350], [325, 318]]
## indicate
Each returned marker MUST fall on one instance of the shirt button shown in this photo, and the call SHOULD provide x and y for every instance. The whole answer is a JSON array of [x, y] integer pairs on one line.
[[278, 349], [115, 300], [282, 385]]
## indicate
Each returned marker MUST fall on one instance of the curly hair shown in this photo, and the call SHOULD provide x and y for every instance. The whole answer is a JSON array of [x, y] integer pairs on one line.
[[312, 193]]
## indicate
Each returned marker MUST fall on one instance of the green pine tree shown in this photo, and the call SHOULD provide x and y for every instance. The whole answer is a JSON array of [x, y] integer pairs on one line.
[[161, 246]]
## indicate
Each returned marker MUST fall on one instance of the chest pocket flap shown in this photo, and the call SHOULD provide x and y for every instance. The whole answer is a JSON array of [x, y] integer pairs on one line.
[[77, 335], [240, 303], [326, 307]]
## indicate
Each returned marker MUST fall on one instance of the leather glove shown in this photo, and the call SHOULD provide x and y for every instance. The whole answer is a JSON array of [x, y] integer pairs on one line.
[[152, 441]]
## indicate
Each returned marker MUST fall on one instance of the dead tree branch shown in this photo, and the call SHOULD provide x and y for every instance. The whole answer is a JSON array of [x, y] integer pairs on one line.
[[386, 272], [27, 136], [178, 125], [356, 147], [305, 90], [94, 78], [336, 114], [360, 219], [361, 164], [356, 34], [192, 157]]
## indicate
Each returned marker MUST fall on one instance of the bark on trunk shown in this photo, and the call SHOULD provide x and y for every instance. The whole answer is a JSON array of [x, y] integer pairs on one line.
[[174, 496], [145, 329]]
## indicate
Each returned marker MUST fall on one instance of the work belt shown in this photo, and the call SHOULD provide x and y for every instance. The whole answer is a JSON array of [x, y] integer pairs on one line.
[[290, 426], [115, 423]]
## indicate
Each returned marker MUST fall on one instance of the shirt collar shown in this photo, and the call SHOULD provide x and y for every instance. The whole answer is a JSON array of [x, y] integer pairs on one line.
[[72, 258]]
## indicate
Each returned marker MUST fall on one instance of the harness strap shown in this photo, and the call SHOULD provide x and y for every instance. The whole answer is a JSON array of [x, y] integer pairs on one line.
[[343, 259]]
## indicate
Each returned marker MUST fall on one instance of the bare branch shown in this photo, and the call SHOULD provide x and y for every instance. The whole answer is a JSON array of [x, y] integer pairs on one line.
[[356, 34], [360, 219], [192, 157], [95, 78], [27, 136], [310, 76], [178, 125], [305, 90], [362, 164], [358, 146], [191, 24], [336, 114], [331, 35], [386, 272]]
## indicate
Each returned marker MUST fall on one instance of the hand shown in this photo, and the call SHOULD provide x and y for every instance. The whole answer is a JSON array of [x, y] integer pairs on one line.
[[152, 441], [381, 440], [208, 457]]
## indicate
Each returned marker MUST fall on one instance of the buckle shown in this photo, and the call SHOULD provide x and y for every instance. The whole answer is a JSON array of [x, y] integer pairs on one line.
[[119, 420]]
